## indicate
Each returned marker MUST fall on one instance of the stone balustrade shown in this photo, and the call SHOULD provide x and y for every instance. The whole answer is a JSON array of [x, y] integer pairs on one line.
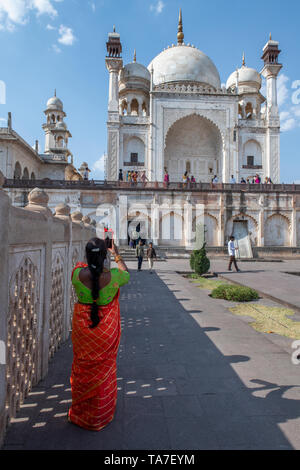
[[38, 251]]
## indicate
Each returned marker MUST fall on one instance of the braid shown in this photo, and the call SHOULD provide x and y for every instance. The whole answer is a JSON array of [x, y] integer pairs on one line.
[[95, 254]]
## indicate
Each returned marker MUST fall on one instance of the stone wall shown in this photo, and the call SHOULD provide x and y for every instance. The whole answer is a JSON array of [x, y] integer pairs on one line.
[[38, 251]]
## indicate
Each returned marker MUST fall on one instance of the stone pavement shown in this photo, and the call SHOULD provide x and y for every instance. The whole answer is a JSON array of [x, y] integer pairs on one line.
[[191, 376]]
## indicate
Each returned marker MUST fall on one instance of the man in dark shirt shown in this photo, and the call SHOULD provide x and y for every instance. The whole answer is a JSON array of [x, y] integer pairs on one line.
[[151, 255]]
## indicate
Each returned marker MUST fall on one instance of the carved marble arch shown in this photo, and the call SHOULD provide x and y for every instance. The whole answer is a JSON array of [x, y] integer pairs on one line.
[[253, 226], [246, 217], [177, 116], [280, 215], [211, 228], [277, 230], [194, 144]]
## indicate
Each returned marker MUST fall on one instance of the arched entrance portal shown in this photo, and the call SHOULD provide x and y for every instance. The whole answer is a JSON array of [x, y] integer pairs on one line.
[[194, 144]]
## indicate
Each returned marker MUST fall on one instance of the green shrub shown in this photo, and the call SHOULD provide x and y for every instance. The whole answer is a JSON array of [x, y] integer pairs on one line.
[[235, 293], [199, 261], [192, 259]]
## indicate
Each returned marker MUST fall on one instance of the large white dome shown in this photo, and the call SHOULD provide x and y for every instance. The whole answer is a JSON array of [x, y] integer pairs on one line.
[[184, 63]]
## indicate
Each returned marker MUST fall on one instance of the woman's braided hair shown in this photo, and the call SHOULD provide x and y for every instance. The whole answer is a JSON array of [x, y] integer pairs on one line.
[[96, 253]]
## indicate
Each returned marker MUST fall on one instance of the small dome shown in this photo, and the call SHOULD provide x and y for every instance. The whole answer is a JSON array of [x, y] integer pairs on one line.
[[61, 125], [184, 63], [246, 76], [134, 70], [55, 104]]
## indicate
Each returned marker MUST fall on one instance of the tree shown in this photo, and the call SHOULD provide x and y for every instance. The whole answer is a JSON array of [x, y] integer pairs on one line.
[[199, 261]]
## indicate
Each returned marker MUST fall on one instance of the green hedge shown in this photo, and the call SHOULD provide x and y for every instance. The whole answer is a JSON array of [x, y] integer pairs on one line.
[[235, 293]]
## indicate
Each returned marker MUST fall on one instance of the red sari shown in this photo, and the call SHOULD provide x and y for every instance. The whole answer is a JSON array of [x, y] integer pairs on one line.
[[94, 369]]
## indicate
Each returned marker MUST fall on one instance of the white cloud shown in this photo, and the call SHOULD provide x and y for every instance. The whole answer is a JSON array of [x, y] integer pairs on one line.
[[289, 113], [157, 7], [282, 89], [99, 166], [67, 37], [17, 12], [289, 124]]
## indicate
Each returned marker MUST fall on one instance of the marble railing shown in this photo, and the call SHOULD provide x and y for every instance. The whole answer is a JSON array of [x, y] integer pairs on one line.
[[148, 186], [38, 251]]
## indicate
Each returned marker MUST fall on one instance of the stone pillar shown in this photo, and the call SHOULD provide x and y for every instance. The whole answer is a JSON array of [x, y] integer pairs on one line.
[[4, 286], [221, 221], [77, 218], [38, 203], [294, 224], [62, 212], [261, 226]]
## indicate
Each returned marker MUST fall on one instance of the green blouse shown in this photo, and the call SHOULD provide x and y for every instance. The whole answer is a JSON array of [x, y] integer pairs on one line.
[[118, 278]]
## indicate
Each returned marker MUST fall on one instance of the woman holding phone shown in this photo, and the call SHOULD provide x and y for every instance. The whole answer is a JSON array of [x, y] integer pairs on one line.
[[96, 333]]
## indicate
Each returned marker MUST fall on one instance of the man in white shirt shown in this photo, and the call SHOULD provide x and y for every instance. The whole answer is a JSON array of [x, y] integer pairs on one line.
[[232, 180], [231, 252]]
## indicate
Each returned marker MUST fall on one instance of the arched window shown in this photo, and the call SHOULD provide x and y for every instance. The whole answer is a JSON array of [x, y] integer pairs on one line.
[[33, 176], [144, 109], [134, 107], [25, 174], [124, 108], [249, 110], [18, 171], [53, 119], [252, 154], [60, 141]]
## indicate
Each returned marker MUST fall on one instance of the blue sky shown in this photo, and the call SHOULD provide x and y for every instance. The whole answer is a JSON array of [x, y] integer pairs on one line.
[[48, 44]]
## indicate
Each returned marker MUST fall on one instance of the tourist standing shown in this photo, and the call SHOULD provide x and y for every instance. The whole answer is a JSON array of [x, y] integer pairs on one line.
[[140, 253], [96, 332], [231, 251], [121, 175], [232, 180], [151, 255], [144, 178], [166, 179]]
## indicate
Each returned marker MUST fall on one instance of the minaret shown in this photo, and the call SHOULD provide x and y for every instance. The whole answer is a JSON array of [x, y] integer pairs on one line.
[[56, 131], [270, 72], [114, 64]]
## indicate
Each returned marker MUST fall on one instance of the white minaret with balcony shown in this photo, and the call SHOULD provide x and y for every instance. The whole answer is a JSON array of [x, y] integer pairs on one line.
[[270, 72], [114, 64], [56, 131]]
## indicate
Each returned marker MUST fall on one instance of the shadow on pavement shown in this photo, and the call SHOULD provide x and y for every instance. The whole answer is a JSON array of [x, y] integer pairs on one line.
[[176, 390]]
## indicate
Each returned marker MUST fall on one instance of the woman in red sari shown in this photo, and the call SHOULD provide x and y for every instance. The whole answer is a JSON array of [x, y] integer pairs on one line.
[[96, 333]]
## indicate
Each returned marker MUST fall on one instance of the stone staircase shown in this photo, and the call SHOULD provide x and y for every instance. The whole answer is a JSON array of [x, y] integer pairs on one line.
[[128, 254]]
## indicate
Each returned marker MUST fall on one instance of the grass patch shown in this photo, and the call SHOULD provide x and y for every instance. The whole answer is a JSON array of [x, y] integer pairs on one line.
[[270, 319], [206, 283], [235, 293]]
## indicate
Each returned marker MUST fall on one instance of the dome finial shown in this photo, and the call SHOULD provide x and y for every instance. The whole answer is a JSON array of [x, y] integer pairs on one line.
[[55, 92], [244, 63], [180, 35], [114, 29], [270, 36], [134, 56]]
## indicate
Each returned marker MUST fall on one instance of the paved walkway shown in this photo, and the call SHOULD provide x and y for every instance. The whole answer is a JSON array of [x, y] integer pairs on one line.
[[190, 374]]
